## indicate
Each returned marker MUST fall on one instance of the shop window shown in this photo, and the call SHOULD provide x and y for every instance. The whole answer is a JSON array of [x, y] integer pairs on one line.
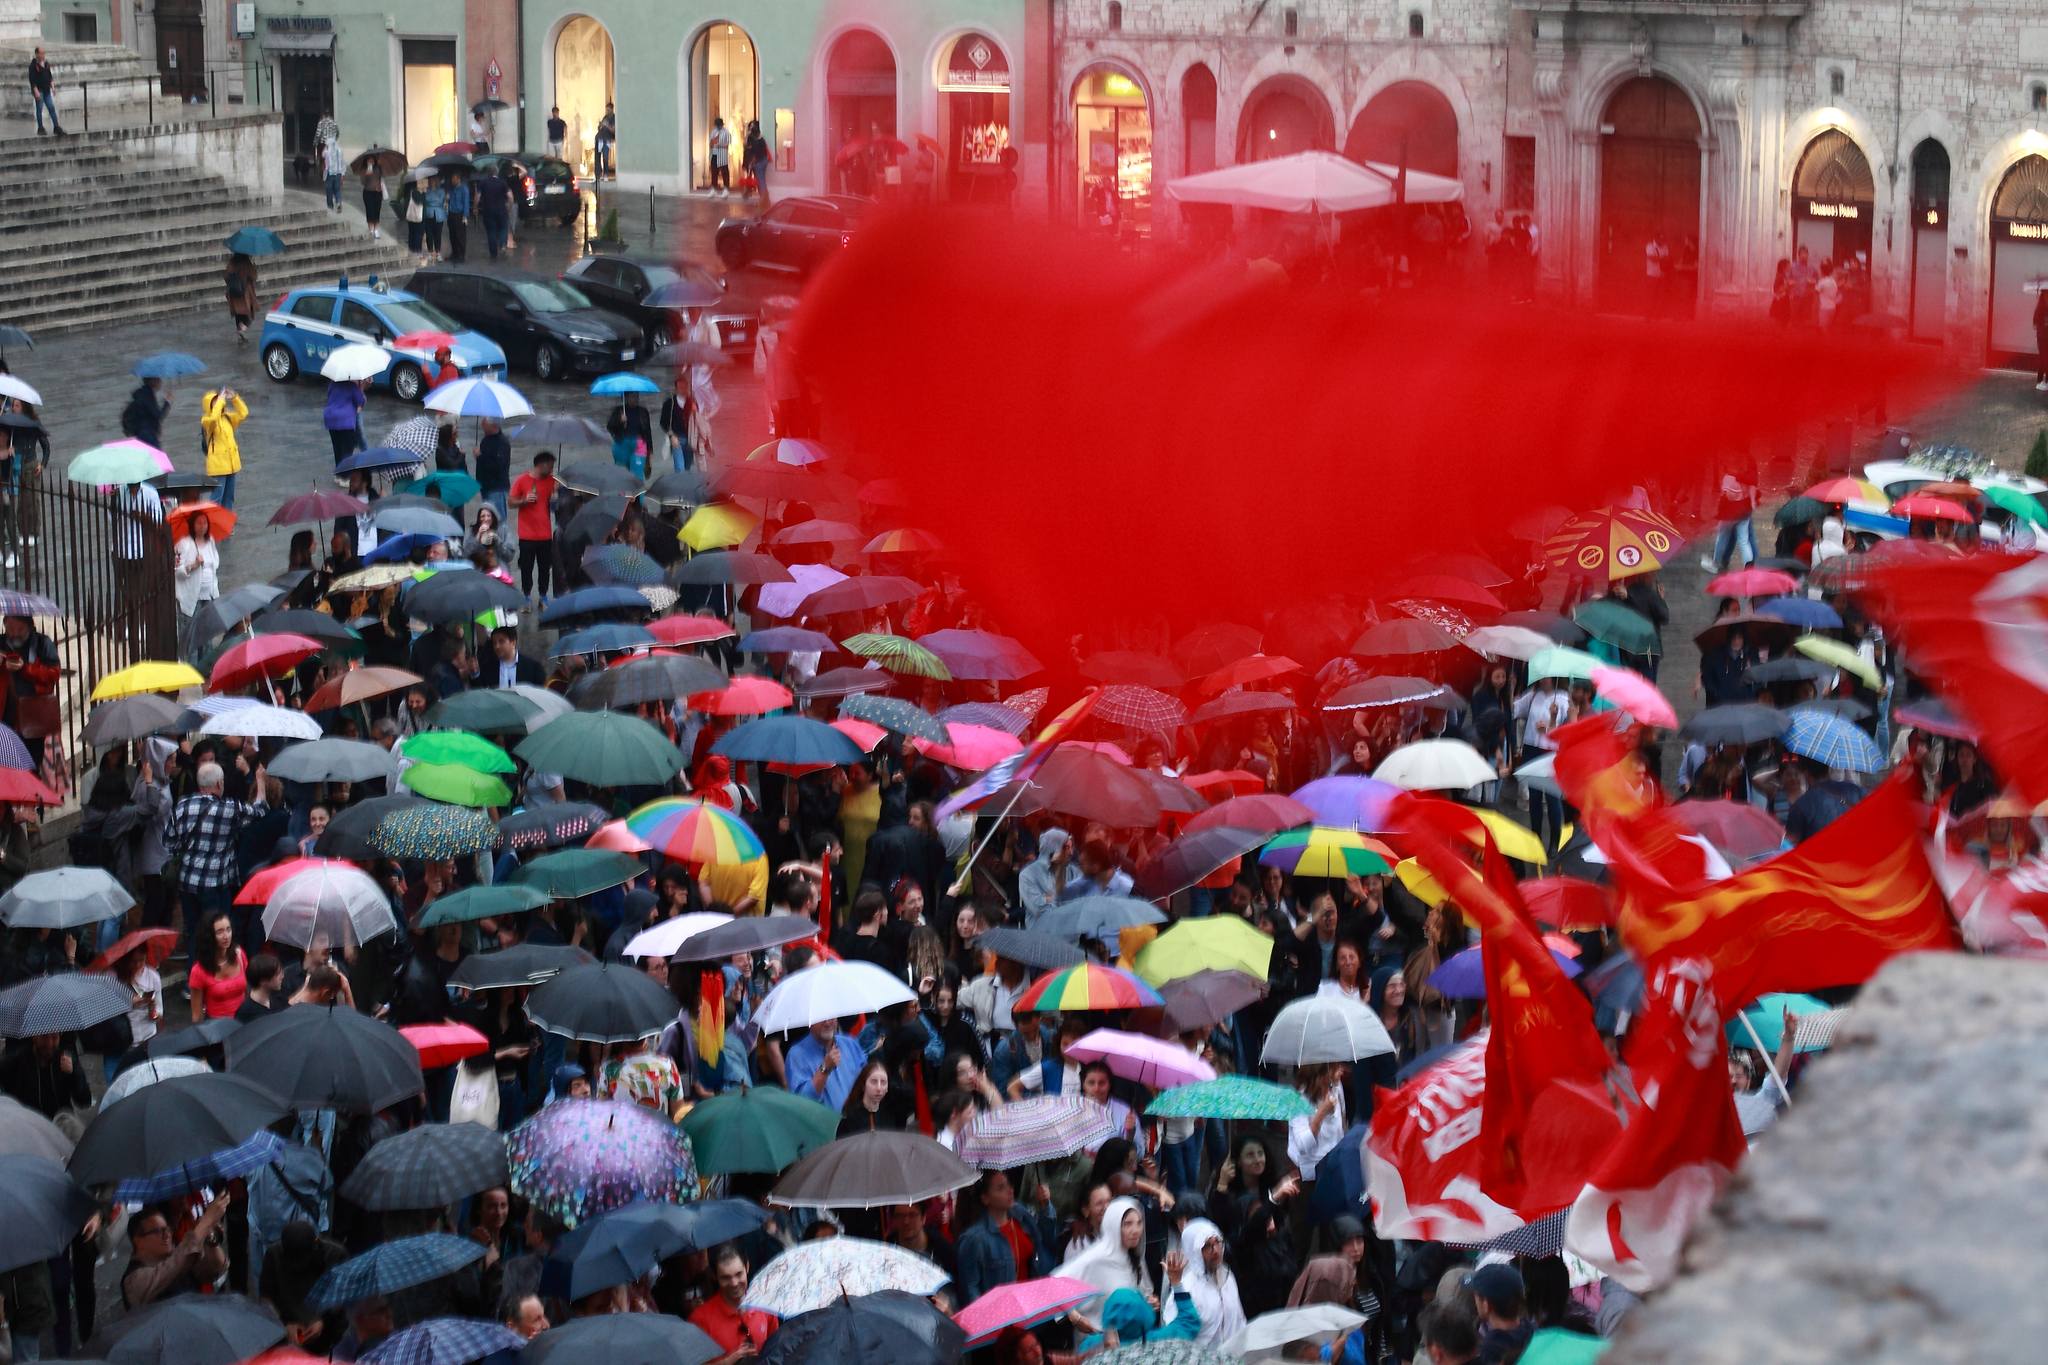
[[1414, 23], [2037, 97], [81, 28], [1290, 22], [1116, 16], [1837, 82]]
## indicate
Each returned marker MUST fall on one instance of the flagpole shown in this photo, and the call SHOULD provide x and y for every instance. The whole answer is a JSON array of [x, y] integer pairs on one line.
[[1749, 1027], [967, 873]]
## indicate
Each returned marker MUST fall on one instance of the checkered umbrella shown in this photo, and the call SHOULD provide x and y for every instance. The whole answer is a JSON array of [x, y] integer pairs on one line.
[[995, 715], [1544, 1237], [443, 1341], [190, 1329], [1832, 740], [1043, 1129], [1140, 708], [213, 1169], [60, 1004], [391, 1266], [421, 435]]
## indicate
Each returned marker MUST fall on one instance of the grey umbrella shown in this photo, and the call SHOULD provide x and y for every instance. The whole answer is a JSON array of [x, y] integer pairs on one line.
[[659, 677], [600, 476], [190, 1329], [130, 718], [1028, 947], [42, 1208], [61, 1004], [416, 521], [461, 597], [560, 428], [334, 760], [64, 898], [23, 1130], [224, 611], [679, 488]]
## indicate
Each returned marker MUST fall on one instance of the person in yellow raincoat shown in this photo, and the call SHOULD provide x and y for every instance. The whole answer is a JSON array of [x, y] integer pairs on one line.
[[220, 412]]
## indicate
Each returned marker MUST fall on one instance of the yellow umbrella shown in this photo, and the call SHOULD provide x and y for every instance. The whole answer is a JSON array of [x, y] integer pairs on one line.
[[147, 676], [1420, 884], [1834, 652], [1224, 942], [1515, 840], [717, 526]]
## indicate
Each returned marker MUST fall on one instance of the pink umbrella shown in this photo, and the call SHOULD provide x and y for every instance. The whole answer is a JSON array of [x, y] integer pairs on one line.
[[1753, 583], [861, 732], [1156, 1063], [617, 837], [163, 461], [1021, 1305], [975, 748], [1635, 694], [1114, 752]]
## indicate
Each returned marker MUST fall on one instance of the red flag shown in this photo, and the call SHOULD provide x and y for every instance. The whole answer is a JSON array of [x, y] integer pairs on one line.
[[1681, 1144], [2003, 910]]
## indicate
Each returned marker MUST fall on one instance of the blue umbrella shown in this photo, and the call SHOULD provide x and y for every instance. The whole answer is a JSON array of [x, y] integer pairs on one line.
[[168, 365], [624, 381], [619, 1247], [1803, 612], [255, 241], [216, 1168], [992, 714], [1463, 975], [1830, 739], [392, 1266], [443, 1341], [397, 549], [378, 458], [604, 639], [787, 739], [1616, 987], [1340, 1179], [587, 601], [1096, 917], [788, 640]]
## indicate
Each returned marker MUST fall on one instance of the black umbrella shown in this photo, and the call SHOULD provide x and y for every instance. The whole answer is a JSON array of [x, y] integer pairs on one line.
[[882, 1328], [599, 476], [130, 718], [461, 597], [748, 934], [619, 1247], [190, 1329], [192, 1039], [24, 1132], [445, 161], [328, 1057], [314, 625], [19, 421], [61, 1004], [556, 428], [602, 1003], [348, 834], [232, 606], [1192, 857], [527, 964], [429, 1167], [624, 1339], [1848, 708], [869, 1170], [10, 335], [1789, 670], [41, 1208], [172, 1123], [846, 682], [1741, 723], [1042, 951], [591, 525], [551, 824], [741, 568], [335, 760], [658, 677], [177, 481]]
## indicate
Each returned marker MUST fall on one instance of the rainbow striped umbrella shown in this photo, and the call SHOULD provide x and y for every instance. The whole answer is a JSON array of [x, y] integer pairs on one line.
[[1321, 851], [1088, 986], [692, 831]]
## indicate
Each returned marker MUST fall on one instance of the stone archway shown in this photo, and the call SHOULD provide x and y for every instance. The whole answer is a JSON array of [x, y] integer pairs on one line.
[[583, 84], [1650, 192], [1282, 116], [1408, 123]]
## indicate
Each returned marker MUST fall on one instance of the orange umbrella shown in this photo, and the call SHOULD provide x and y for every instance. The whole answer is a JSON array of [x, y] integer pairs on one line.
[[359, 685], [219, 520]]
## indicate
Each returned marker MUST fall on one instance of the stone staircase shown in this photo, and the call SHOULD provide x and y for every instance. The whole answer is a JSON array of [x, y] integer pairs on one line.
[[101, 226]]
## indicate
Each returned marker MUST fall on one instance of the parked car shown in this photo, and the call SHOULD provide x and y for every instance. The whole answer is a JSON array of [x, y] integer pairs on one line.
[[305, 325], [541, 323], [621, 282], [543, 186], [796, 235]]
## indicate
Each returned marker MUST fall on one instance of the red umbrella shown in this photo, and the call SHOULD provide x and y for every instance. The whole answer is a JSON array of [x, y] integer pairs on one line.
[[1256, 668], [256, 891], [745, 695], [690, 630], [1753, 583], [322, 504], [1841, 489], [1920, 506], [20, 788], [259, 659], [455, 148], [1265, 811], [444, 1044], [219, 520], [158, 942], [1567, 903], [423, 341], [1226, 782], [1738, 829]]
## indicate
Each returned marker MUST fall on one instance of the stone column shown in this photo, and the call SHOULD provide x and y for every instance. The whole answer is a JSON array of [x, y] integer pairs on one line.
[[1556, 193]]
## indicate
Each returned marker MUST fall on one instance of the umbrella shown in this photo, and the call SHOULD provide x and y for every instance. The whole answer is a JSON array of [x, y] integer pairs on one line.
[[1463, 975], [23, 1131], [760, 1130], [446, 597], [440, 1045], [745, 695], [550, 825], [619, 1247], [443, 1341], [846, 682], [814, 1274], [1802, 612], [1738, 829], [129, 718], [1637, 695], [136, 1075], [445, 747], [1219, 941], [429, 829], [1155, 1063], [327, 1057], [1324, 1028], [353, 362], [14, 753], [258, 659], [993, 715], [457, 785], [1766, 1016], [1143, 709], [1839, 655], [429, 1167], [897, 654], [525, 964], [391, 1266], [553, 428], [1234, 704], [487, 710], [572, 873], [193, 1039], [117, 462], [621, 382], [609, 637], [400, 522], [717, 526], [1613, 542], [1568, 904], [831, 990], [1435, 765], [1349, 802], [1832, 740], [1207, 998], [478, 398], [648, 678], [980, 655], [973, 748], [787, 640], [1925, 507], [219, 519], [604, 749], [1031, 947], [348, 834], [1192, 858], [1929, 713], [1325, 851], [599, 476], [751, 934], [262, 722], [1316, 1323], [42, 1208], [896, 716], [60, 1004], [387, 458], [689, 630], [667, 938], [1788, 670], [154, 944], [1080, 782], [1231, 1097], [1403, 635], [1623, 627], [254, 240], [602, 1003], [231, 607], [2025, 506], [1033, 1130], [578, 1158], [311, 624], [1266, 812], [1095, 917], [623, 1339], [1738, 723], [210, 1171], [182, 1120], [168, 365], [481, 902], [1087, 986], [622, 564], [1026, 1304], [386, 160], [1511, 642], [875, 1329], [787, 739], [334, 899], [190, 1329], [1753, 582], [714, 567], [64, 898]]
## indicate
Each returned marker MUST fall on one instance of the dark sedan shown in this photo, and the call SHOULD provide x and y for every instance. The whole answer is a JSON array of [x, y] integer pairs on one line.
[[796, 235], [544, 186], [542, 323], [624, 283]]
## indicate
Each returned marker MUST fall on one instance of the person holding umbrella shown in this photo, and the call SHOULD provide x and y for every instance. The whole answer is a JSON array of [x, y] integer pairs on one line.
[[241, 293], [143, 418], [342, 416]]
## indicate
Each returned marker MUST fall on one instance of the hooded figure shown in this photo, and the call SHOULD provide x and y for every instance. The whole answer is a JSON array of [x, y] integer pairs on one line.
[[1213, 1293], [1830, 545], [1128, 1315], [1107, 1263], [1040, 883]]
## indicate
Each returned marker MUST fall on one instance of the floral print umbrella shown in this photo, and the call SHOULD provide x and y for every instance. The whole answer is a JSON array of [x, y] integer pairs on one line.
[[579, 1158]]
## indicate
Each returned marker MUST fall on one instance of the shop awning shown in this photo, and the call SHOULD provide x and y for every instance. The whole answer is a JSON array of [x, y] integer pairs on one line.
[[321, 43]]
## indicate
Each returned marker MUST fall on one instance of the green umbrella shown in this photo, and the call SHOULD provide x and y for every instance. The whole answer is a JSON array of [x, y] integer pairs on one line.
[[458, 746], [482, 902], [451, 487], [1555, 1346], [761, 1131], [431, 830], [1561, 661], [491, 711], [119, 462], [2025, 506], [604, 749], [574, 872], [1799, 511], [457, 785], [1230, 1097], [1766, 1016], [1624, 628]]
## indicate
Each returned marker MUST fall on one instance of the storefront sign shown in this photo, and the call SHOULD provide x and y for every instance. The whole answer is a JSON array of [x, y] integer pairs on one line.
[[2027, 232], [1814, 210], [298, 23], [976, 65]]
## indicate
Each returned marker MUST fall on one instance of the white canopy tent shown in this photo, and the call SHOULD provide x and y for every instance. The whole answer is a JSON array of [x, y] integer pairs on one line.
[[1314, 182]]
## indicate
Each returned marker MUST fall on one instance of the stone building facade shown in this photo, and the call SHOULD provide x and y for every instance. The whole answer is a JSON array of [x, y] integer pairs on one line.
[[1906, 143]]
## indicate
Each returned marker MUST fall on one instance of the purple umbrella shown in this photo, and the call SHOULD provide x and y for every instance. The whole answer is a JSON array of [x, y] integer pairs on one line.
[[1358, 803], [577, 1158], [14, 753], [980, 655], [1463, 976]]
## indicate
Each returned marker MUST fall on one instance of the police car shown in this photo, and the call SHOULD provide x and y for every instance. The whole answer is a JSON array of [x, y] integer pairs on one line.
[[305, 325]]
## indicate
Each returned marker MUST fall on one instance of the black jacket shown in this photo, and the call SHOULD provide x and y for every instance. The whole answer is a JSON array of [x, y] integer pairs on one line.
[[527, 670], [143, 418], [44, 1086], [494, 463]]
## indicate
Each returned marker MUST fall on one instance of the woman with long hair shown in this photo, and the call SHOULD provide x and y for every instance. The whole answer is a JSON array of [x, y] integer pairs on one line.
[[220, 970], [1116, 1258], [485, 532], [870, 1106], [195, 578], [1443, 937], [1247, 1176]]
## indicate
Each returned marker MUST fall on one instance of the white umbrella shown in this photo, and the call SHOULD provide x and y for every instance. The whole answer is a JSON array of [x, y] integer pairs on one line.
[[64, 898], [1268, 1334], [783, 599], [1324, 1028], [819, 1274], [262, 722], [149, 1072], [1541, 774], [664, 938], [478, 398], [343, 902], [831, 990], [551, 704], [1436, 765], [335, 760], [1511, 642], [11, 387], [1313, 182], [355, 361]]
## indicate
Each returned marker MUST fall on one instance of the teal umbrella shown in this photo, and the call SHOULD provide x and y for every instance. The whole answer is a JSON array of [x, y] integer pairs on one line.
[[1766, 1015], [483, 902], [1561, 661], [763, 1130], [489, 711], [451, 487], [604, 749], [1800, 510], [432, 830], [253, 240], [574, 872], [118, 462], [1231, 1097], [1624, 628]]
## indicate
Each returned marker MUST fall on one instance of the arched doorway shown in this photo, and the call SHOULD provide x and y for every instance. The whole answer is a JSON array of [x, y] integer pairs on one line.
[[1927, 297], [1113, 152], [725, 83], [1833, 201], [583, 84], [860, 111], [974, 119], [1284, 116], [1198, 120], [2019, 259], [1649, 193], [1407, 124]]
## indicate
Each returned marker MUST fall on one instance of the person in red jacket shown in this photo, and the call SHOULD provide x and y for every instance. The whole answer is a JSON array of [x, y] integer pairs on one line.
[[30, 658]]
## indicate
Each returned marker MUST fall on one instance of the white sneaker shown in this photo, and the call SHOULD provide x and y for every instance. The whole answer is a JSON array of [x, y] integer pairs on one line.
[[10, 562], [1707, 563], [2043, 385]]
